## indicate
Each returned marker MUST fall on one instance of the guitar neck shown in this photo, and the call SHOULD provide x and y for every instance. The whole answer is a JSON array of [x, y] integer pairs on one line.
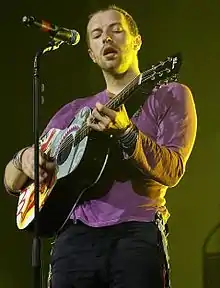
[[113, 103], [160, 73], [125, 94]]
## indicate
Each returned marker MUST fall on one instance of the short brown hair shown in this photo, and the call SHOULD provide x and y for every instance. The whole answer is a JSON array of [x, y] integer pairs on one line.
[[131, 23]]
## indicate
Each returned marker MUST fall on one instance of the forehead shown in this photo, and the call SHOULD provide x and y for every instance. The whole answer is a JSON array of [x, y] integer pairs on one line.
[[106, 18]]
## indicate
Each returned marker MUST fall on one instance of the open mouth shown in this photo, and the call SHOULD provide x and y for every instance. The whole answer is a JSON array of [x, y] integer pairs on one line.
[[110, 51]]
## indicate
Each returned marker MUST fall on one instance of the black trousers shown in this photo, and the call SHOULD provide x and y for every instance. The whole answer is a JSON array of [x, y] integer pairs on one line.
[[128, 255]]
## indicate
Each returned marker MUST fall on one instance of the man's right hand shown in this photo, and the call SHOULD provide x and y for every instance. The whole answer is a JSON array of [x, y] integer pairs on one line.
[[46, 166]]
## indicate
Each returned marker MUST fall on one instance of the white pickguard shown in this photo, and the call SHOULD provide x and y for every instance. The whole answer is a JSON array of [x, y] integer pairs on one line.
[[61, 138]]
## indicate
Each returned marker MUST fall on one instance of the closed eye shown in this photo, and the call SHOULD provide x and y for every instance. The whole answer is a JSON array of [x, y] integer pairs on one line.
[[95, 36]]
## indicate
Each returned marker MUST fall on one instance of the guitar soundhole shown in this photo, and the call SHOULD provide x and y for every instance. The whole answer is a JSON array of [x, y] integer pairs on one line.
[[65, 150]]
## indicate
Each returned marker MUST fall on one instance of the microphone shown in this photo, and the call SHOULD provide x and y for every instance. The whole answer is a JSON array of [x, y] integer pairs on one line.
[[68, 36]]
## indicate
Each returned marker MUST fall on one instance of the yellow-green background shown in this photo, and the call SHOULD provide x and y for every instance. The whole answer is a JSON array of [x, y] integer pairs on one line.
[[166, 27]]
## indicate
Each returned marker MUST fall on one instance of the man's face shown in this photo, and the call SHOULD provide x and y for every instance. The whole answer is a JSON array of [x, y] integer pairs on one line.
[[117, 54]]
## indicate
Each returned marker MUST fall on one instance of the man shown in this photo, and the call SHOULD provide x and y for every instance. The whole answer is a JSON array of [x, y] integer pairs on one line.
[[119, 239]]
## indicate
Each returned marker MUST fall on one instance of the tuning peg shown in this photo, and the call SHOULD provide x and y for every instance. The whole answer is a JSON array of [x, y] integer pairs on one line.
[[164, 82], [157, 86], [174, 78]]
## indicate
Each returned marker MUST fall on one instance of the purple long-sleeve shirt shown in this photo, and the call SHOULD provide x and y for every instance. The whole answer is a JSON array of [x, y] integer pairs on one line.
[[167, 126]]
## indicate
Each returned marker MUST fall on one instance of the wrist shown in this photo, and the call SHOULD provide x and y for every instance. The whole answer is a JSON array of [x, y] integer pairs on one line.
[[125, 131], [17, 159], [128, 139]]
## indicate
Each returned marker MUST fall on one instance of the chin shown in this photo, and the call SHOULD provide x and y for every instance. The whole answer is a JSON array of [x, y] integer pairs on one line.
[[111, 67], [116, 71]]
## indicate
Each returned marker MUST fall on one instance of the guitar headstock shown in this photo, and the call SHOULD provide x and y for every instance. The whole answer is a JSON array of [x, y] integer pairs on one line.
[[164, 71]]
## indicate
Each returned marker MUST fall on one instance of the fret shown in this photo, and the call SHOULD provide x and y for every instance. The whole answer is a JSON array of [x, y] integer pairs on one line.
[[123, 96]]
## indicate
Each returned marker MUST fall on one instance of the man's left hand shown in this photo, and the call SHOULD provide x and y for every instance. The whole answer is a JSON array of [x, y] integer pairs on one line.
[[104, 119]]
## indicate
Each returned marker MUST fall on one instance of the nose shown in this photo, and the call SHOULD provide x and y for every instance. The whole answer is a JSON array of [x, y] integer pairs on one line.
[[107, 39]]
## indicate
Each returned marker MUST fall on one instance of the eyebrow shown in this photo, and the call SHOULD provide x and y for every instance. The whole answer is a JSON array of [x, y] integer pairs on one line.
[[112, 24]]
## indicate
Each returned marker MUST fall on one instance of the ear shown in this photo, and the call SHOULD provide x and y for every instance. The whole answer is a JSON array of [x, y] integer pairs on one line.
[[91, 55], [137, 42]]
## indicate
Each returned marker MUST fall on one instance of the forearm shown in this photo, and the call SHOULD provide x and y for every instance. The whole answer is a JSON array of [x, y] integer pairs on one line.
[[14, 179], [162, 164], [164, 156]]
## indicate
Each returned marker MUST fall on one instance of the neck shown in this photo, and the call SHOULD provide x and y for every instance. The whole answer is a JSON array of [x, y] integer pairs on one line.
[[116, 82]]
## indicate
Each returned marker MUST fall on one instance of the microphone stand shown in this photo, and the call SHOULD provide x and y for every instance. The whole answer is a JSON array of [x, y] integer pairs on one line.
[[37, 89]]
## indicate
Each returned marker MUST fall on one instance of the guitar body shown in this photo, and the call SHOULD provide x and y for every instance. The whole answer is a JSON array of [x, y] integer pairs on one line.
[[79, 168]]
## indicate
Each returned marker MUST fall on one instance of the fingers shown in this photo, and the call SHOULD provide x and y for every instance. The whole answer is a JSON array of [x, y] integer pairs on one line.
[[106, 111], [98, 121], [96, 125], [29, 171], [45, 162], [102, 118], [46, 167], [42, 159], [107, 120], [42, 175], [50, 166]]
